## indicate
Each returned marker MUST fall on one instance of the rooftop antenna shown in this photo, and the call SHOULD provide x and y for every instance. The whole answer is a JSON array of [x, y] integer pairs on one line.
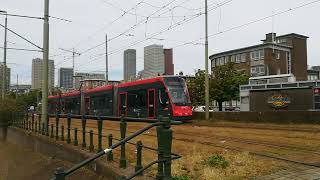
[[273, 38]]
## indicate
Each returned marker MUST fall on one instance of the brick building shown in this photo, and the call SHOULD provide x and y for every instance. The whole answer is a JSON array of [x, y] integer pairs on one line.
[[286, 54], [168, 62]]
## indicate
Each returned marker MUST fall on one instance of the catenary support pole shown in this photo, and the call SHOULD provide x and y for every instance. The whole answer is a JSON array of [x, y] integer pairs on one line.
[[4, 75], [44, 104], [206, 62], [107, 60]]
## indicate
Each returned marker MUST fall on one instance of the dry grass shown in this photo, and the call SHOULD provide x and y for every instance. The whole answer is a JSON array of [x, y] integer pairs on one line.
[[195, 150], [241, 166]]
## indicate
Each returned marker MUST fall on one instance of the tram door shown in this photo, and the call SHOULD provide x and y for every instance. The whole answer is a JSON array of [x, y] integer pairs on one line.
[[123, 104], [87, 105], [151, 103]]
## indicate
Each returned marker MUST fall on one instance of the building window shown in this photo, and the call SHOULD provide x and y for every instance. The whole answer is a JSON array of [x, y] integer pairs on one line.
[[257, 55], [238, 58], [289, 62], [222, 61], [257, 71], [278, 55], [233, 58], [213, 63], [243, 57]]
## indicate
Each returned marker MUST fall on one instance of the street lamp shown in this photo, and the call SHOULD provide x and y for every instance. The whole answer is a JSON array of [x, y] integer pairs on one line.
[[4, 74]]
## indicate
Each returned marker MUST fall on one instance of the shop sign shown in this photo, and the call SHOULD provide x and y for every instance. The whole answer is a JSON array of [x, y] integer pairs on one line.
[[279, 101]]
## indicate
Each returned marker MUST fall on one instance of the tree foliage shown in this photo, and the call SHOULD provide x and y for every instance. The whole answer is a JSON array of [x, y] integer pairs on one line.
[[196, 88], [224, 85], [28, 99]]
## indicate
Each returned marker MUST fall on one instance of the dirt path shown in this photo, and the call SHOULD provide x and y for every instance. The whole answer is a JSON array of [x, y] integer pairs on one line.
[[22, 164]]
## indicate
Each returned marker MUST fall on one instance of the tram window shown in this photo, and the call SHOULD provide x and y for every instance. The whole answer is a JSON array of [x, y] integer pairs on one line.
[[142, 98], [163, 97], [132, 99]]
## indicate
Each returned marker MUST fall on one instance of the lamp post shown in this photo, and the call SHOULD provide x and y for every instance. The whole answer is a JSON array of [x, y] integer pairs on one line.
[[4, 74], [206, 62]]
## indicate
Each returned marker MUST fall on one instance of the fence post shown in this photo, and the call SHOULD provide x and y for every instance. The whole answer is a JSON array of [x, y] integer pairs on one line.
[[166, 140], [39, 122], [23, 123], [110, 154], [26, 122], [32, 122], [36, 126], [52, 135], [123, 128], [99, 134], [47, 128], [59, 174], [69, 127], [75, 136], [91, 147], [84, 122], [57, 126], [42, 132], [160, 174], [62, 133], [139, 156], [28, 125]]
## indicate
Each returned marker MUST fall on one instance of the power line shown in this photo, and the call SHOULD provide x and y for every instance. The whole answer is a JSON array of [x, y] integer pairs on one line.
[[109, 24], [98, 56], [21, 49], [131, 28], [21, 37], [252, 22], [162, 31], [22, 16]]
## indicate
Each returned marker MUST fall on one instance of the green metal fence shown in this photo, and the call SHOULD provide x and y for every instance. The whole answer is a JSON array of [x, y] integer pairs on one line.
[[56, 130]]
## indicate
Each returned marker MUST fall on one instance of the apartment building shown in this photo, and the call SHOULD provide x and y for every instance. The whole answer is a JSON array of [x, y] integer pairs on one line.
[[286, 54]]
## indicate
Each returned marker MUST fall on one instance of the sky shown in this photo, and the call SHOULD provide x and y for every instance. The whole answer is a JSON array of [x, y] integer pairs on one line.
[[134, 24]]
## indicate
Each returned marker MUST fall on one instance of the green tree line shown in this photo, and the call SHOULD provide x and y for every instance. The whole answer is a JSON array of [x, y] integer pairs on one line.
[[224, 85]]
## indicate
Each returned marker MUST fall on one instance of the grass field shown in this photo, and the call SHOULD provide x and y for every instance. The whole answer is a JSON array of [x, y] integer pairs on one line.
[[223, 144]]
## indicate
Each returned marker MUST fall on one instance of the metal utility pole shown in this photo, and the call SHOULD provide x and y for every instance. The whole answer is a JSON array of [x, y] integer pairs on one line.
[[107, 63], [74, 53], [44, 108], [4, 74], [17, 87], [206, 62]]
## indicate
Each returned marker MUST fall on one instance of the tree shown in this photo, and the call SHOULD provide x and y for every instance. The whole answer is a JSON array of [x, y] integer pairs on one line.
[[196, 88], [224, 85]]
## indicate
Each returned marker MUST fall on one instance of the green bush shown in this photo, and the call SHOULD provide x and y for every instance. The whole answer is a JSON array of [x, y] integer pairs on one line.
[[180, 178], [217, 161], [7, 107]]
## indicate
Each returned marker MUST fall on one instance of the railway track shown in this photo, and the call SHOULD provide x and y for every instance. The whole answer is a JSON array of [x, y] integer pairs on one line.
[[310, 130], [227, 138], [233, 148]]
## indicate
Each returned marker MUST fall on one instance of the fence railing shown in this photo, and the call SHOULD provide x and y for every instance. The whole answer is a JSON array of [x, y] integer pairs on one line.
[[55, 129]]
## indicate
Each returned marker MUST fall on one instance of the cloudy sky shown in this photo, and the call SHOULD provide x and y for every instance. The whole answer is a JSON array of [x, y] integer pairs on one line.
[[177, 24]]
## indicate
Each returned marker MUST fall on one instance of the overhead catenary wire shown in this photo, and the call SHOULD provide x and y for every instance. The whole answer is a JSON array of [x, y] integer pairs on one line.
[[22, 49], [251, 22], [129, 29], [194, 42], [20, 36], [162, 31], [126, 12]]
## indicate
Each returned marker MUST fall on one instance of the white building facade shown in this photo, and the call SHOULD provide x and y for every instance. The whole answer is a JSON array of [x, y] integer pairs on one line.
[[153, 61]]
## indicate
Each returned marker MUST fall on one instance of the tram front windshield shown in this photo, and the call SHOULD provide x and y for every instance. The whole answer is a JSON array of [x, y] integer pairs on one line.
[[177, 90]]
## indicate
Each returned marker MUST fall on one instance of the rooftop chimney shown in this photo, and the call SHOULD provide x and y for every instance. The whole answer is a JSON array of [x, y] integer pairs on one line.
[[270, 37]]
